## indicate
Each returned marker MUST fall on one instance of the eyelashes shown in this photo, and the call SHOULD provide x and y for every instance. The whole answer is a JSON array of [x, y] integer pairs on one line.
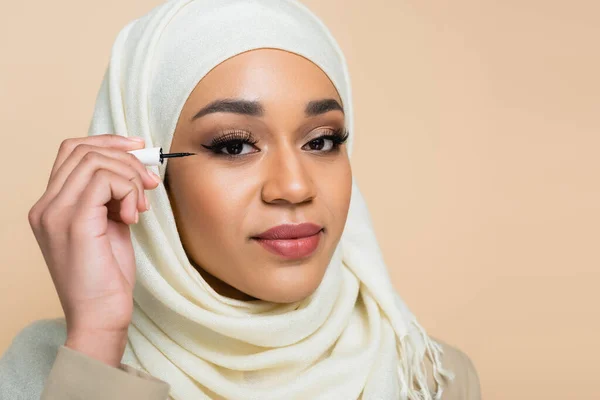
[[235, 140], [230, 137], [337, 136]]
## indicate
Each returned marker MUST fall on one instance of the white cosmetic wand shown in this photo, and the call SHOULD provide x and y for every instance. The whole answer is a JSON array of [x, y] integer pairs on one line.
[[155, 156]]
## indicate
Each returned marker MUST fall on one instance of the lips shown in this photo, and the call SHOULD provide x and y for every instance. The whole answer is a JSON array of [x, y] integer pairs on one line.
[[291, 241], [287, 231]]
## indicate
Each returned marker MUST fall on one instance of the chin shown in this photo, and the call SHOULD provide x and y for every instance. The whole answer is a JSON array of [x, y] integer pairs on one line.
[[289, 284]]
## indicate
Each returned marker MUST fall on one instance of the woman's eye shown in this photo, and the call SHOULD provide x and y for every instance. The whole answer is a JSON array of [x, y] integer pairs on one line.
[[321, 144], [235, 148], [233, 143]]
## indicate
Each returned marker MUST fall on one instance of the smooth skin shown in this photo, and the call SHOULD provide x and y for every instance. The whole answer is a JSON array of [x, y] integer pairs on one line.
[[221, 197], [220, 202]]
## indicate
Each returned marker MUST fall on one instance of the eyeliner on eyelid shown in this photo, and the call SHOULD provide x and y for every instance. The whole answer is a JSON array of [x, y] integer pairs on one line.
[[236, 136]]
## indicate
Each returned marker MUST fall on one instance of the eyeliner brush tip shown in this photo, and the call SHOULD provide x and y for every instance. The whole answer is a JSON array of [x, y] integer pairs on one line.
[[175, 155]]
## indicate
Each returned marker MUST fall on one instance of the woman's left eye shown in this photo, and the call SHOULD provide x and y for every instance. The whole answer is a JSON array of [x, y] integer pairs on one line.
[[329, 142], [321, 144]]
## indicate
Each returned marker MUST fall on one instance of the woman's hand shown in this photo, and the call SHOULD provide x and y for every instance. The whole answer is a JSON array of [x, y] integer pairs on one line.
[[81, 223]]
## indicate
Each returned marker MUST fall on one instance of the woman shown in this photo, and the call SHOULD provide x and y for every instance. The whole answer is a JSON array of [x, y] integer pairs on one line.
[[255, 274]]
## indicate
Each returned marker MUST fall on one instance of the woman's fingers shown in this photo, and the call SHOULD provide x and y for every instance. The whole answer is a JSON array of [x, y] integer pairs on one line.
[[107, 140], [85, 153], [81, 176], [103, 187]]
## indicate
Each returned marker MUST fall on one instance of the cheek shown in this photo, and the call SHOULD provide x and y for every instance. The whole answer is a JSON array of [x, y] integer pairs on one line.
[[339, 188], [214, 202]]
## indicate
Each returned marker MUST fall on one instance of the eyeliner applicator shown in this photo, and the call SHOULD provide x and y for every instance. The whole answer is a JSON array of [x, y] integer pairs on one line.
[[155, 155]]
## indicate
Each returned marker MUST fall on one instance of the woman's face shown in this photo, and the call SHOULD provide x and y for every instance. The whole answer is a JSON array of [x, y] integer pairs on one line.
[[257, 122]]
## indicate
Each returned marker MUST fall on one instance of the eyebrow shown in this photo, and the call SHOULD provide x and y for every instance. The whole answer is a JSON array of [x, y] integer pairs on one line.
[[244, 107], [255, 108], [318, 107]]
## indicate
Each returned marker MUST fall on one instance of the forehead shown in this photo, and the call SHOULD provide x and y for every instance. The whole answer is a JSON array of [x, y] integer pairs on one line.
[[277, 78]]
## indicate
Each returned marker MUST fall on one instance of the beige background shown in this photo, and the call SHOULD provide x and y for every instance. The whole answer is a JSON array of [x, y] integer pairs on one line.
[[477, 151]]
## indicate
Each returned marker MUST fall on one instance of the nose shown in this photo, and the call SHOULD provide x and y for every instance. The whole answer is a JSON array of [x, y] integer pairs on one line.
[[287, 180]]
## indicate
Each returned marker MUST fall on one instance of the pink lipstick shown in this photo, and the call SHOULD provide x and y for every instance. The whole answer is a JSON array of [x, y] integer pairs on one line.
[[291, 241]]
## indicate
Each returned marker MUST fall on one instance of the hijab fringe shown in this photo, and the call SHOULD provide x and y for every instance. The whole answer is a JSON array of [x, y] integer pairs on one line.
[[411, 367]]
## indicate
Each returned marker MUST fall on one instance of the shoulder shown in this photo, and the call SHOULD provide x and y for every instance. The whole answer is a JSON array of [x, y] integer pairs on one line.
[[465, 385], [29, 358]]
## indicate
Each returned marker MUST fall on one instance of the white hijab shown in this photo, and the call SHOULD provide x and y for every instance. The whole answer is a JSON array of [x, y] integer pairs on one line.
[[353, 338]]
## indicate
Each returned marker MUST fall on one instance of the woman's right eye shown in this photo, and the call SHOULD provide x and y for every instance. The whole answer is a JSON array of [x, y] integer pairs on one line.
[[233, 143], [234, 148]]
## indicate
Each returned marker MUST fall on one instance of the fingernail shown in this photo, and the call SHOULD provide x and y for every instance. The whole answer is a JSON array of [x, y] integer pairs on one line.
[[136, 138], [137, 216], [154, 176], [147, 204]]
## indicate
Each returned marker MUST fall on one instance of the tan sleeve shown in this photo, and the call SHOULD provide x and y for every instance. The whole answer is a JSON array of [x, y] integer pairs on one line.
[[465, 385], [76, 376]]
